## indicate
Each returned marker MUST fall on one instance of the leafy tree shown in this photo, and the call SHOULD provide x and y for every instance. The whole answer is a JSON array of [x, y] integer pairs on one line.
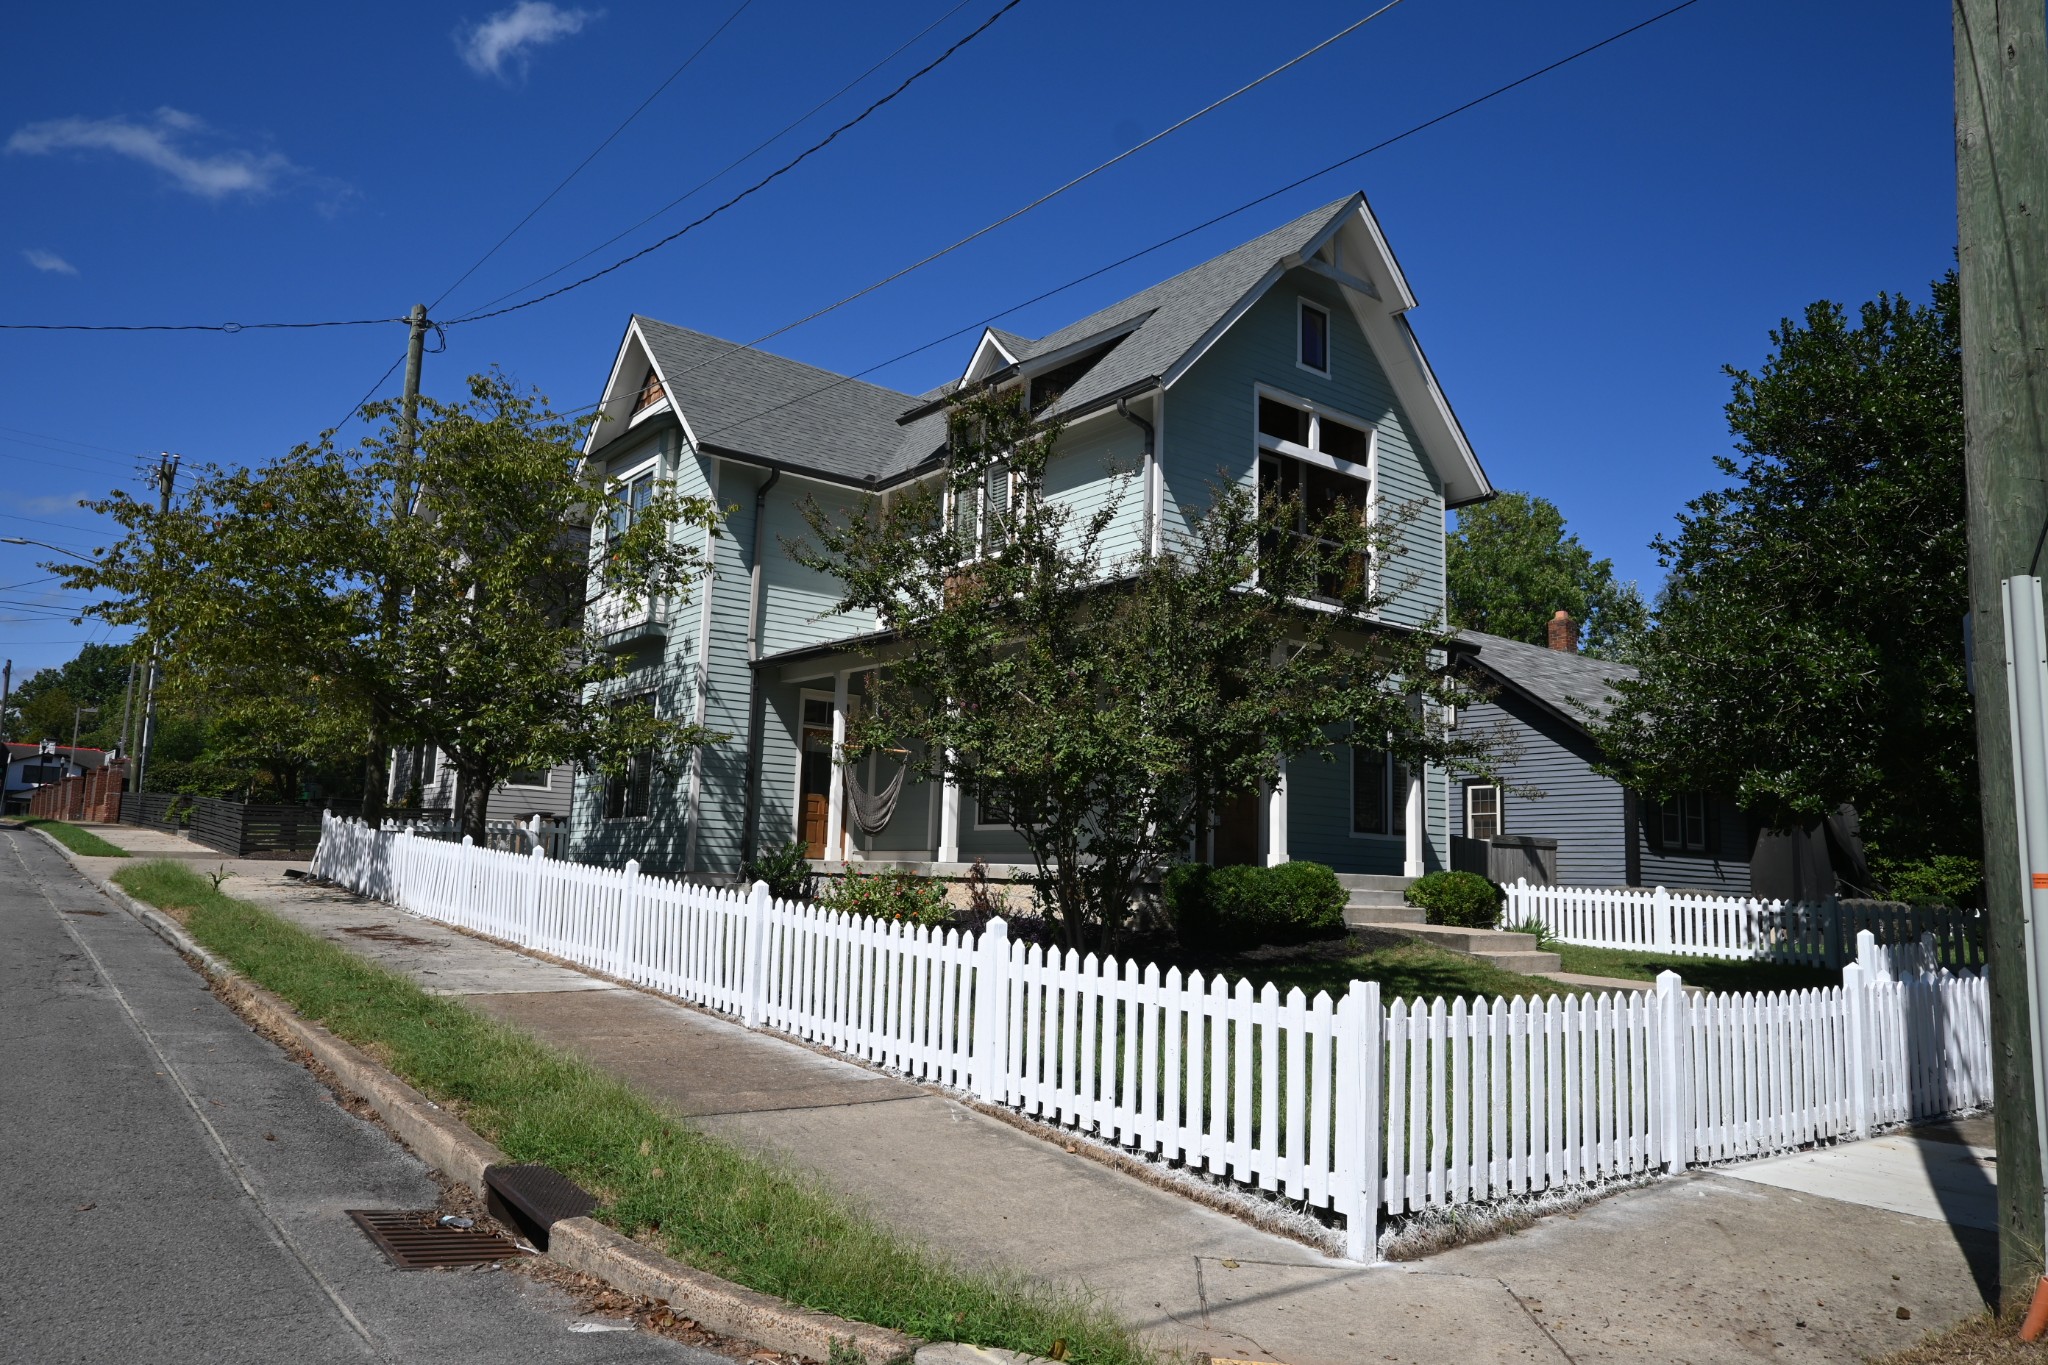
[[359, 598], [1105, 710], [1809, 642], [1511, 566], [46, 702]]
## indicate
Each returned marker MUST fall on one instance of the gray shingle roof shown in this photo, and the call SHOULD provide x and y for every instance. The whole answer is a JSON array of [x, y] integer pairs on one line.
[[747, 400], [750, 401], [1563, 682]]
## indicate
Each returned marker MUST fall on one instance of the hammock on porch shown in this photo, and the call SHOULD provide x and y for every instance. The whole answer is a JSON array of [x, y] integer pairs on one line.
[[871, 814]]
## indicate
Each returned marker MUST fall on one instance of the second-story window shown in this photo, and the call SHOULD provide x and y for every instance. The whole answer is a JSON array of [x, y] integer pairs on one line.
[[974, 512], [1324, 463], [630, 497]]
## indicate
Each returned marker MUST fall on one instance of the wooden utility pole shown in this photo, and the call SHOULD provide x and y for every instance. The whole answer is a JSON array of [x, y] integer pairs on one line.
[[2002, 233], [166, 479], [377, 766]]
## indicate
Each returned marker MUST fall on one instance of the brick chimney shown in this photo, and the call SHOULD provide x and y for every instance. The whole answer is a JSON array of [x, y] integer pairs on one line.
[[1564, 633]]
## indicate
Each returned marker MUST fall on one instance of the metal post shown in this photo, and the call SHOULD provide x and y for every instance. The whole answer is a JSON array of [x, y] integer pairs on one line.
[[2026, 677]]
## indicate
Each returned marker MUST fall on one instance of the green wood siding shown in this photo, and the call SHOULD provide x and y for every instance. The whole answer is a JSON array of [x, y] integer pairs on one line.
[[1211, 426]]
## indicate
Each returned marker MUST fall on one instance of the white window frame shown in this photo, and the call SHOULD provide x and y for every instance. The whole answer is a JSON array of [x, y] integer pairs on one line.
[[1499, 810], [546, 783], [1262, 444], [1302, 307], [950, 498]]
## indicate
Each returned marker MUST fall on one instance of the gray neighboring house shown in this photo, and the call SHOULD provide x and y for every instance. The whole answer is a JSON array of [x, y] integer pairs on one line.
[[548, 794], [1606, 835]]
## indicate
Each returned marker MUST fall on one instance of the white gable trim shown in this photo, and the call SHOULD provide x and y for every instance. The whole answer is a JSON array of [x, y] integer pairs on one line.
[[1377, 292], [616, 405], [982, 363]]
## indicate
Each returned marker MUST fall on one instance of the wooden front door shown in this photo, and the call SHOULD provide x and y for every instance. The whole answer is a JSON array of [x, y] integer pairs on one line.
[[1237, 829], [816, 789]]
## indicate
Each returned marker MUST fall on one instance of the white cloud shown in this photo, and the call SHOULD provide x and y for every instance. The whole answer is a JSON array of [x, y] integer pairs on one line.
[[48, 261], [506, 37], [166, 141]]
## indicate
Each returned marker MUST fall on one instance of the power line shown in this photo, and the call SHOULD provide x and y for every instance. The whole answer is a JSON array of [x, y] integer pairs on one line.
[[1227, 214], [736, 162], [780, 171], [229, 327], [609, 139], [66, 440]]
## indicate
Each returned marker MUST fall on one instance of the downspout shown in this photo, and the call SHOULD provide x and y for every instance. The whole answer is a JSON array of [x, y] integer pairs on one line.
[[1123, 408], [750, 821]]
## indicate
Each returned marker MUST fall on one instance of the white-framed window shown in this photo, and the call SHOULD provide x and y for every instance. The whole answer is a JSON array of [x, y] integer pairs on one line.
[[1379, 794], [539, 779], [630, 495], [1482, 810], [1322, 458], [1312, 352], [973, 513]]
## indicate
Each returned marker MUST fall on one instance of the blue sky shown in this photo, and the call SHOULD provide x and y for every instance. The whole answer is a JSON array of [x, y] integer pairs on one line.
[[1587, 251]]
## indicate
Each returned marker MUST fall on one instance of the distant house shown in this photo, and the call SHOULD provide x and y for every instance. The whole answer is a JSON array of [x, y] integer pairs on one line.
[[547, 793], [28, 768], [1605, 834]]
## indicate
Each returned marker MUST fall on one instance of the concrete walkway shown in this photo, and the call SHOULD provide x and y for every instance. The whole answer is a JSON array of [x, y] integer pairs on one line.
[[1698, 1268]]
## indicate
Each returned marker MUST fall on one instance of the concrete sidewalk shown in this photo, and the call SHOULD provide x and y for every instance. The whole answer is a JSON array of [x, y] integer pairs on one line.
[[1699, 1268]]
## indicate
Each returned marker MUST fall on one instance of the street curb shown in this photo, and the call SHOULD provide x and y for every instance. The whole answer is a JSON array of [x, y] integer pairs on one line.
[[580, 1244]]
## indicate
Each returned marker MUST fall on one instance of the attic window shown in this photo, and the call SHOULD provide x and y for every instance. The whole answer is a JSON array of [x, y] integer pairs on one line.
[[1315, 338], [1048, 388], [650, 392]]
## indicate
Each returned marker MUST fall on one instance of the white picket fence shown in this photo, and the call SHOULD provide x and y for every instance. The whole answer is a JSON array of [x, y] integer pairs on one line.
[[1337, 1103], [1816, 933], [513, 836]]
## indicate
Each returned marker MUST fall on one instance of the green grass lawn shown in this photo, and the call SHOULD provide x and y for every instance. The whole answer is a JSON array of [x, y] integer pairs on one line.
[[1709, 973], [80, 841], [713, 1205], [1405, 971]]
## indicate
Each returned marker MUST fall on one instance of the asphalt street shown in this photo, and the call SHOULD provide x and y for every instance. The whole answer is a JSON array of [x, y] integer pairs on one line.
[[172, 1186]]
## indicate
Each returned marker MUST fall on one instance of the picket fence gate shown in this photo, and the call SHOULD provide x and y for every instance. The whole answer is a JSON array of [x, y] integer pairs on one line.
[[1337, 1104], [1698, 924]]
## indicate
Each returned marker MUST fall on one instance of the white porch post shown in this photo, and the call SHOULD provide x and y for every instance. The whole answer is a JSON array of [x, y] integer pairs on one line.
[[1276, 818], [835, 795], [1411, 855], [948, 850]]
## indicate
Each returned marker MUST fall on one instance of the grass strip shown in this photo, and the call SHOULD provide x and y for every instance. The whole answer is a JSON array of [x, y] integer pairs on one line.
[[1405, 971], [714, 1206], [80, 841], [1709, 973]]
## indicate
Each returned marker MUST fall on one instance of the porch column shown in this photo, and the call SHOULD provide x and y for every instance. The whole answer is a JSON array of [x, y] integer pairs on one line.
[[948, 850], [835, 795], [1411, 855], [1276, 818]]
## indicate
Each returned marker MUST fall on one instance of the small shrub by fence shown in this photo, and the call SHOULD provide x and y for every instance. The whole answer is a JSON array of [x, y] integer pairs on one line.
[[1814, 933], [1341, 1104]]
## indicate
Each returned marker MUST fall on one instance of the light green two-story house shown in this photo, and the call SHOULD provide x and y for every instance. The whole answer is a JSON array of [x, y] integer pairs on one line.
[[1289, 357]]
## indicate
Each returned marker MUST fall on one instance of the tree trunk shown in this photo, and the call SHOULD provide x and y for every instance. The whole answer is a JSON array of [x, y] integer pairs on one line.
[[472, 802], [376, 778]]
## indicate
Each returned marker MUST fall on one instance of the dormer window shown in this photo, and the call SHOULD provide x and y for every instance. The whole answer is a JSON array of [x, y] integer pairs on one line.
[[1314, 355], [650, 392]]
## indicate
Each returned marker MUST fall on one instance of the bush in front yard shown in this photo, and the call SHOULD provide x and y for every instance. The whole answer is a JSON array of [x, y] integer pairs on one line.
[[892, 894], [787, 871], [1223, 909], [1461, 900]]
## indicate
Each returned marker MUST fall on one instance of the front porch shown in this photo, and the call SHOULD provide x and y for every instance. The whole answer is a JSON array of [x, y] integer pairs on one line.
[[1355, 811]]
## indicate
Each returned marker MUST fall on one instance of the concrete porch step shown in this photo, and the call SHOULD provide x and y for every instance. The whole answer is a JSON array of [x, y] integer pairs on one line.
[[1392, 916], [1371, 881], [1508, 951]]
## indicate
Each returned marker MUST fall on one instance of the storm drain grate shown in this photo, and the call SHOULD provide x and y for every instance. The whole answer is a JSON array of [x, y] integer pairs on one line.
[[533, 1198], [414, 1241]]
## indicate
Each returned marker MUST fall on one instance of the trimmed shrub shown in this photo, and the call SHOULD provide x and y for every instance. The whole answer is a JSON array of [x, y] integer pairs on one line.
[[1944, 879], [1223, 909], [1460, 900], [893, 894], [786, 870]]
